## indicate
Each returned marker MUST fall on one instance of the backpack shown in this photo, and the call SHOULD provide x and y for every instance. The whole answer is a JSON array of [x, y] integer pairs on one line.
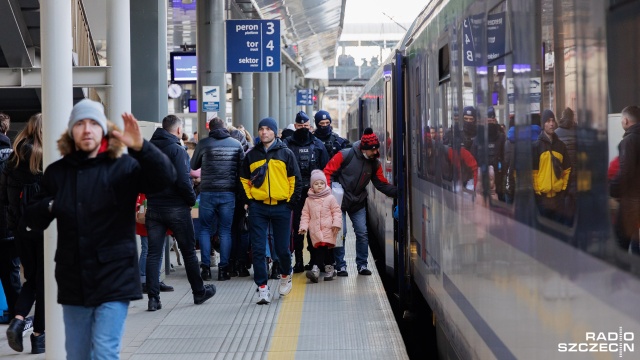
[[350, 154]]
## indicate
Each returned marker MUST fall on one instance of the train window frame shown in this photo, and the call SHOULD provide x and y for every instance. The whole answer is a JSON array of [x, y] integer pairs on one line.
[[444, 63]]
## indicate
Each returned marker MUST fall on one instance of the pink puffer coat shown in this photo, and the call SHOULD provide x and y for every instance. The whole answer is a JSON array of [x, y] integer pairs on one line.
[[318, 217]]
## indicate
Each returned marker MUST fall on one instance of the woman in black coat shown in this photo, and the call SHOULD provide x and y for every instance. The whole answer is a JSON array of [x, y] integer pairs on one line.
[[19, 182]]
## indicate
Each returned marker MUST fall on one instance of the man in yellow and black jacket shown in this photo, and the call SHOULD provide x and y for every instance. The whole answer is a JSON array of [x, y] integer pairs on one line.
[[551, 169], [271, 180]]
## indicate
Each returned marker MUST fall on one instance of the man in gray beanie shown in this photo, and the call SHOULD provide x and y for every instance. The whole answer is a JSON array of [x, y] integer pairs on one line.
[[88, 192]]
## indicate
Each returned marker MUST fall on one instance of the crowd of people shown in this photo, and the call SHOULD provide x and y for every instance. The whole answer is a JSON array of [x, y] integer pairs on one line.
[[258, 204]]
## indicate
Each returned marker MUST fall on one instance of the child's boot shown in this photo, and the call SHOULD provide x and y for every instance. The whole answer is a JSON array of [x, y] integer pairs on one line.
[[313, 274], [330, 272]]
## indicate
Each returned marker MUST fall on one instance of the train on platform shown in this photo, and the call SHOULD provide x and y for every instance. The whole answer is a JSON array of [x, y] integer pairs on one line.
[[502, 278]]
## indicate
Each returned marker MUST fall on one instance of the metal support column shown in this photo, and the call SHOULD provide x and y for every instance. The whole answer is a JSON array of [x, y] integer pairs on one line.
[[261, 103], [274, 96], [283, 121], [57, 101], [245, 104], [119, 58], [211, 71], [149, 100], [289, 114]]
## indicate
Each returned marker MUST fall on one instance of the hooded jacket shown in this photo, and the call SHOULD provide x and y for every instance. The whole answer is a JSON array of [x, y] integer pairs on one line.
[[220, 157], [545, 180], [282, 180], [180, 193], [94, 203], [355, 177]]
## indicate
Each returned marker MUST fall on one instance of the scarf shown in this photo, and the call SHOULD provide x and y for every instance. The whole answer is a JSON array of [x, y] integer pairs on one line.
[[324, 193]]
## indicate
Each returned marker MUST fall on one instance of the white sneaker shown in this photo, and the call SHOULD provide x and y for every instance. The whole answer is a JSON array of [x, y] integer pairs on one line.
[[264, 295], [285, 284], [313, 274]]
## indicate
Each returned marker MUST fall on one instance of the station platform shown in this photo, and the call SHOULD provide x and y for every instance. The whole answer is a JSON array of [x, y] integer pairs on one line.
[[347, 318]]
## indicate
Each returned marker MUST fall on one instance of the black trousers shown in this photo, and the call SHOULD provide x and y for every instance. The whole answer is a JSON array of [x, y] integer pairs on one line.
[[323, 256], [10, 273], [31, 250]]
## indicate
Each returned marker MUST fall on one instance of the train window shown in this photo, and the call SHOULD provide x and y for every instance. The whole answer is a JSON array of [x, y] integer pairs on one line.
[[444, 71]]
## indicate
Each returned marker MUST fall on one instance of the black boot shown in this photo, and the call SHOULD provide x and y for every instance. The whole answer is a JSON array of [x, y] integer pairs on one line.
[[154, 304], [223, 274], [205, 273], [242, 270], [298, 267], [14, 334], [37, 344], [275, 270], [233, 269]]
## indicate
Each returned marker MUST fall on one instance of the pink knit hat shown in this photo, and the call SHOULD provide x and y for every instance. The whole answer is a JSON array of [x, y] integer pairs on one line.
[[317, 175]]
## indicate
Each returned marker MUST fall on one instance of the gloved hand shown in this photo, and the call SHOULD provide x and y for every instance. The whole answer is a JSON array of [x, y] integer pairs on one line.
[[395, 212]]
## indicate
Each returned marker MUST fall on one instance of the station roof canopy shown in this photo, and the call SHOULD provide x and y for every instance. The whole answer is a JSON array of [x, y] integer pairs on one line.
[[310, 28]]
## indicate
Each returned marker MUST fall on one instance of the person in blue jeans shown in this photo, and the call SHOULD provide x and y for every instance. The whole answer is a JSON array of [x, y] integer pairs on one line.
[[219, 157], [363, 167], [271, 180], [96, 258]]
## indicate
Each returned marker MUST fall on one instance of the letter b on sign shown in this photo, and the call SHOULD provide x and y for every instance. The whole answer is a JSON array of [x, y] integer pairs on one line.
[[269, 61]]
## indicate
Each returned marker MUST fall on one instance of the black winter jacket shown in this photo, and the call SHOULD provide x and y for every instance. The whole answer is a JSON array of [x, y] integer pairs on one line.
[[625, 184], [94, 203], [220, 157], [355, 176], [5, 154], [181, 192], [15, 181]]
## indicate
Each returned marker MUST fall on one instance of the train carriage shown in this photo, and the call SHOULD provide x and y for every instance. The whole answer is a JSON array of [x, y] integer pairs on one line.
[[502, 277]]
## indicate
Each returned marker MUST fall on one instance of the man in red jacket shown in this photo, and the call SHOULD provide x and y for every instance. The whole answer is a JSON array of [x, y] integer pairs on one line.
[[363, 167]]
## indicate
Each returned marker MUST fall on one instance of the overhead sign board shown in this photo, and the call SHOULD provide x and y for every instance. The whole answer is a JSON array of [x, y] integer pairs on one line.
[[253, 46], [304, 97]]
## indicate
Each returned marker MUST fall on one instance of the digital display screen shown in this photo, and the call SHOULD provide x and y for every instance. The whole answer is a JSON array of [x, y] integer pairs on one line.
[[193, 105], [184, 67]]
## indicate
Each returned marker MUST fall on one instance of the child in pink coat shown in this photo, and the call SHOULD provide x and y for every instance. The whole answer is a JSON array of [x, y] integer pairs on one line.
[[322, 217]]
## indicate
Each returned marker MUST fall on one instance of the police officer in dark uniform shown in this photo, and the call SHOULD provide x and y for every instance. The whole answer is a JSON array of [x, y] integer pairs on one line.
[[311, 155], [324, 132]]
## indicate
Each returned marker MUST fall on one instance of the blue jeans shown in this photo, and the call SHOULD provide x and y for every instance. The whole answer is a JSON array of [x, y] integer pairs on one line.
[[260, 215], [216, 208], [359, 221], [144, 252], [178, 219], [94, 332]]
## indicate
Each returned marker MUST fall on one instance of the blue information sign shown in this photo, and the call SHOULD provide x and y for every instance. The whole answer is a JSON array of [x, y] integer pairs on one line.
[[253, 46], [304, 97], [495, 39]]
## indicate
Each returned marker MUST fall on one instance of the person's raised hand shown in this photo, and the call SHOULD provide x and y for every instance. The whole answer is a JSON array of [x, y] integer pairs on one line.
[[131, 137]]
